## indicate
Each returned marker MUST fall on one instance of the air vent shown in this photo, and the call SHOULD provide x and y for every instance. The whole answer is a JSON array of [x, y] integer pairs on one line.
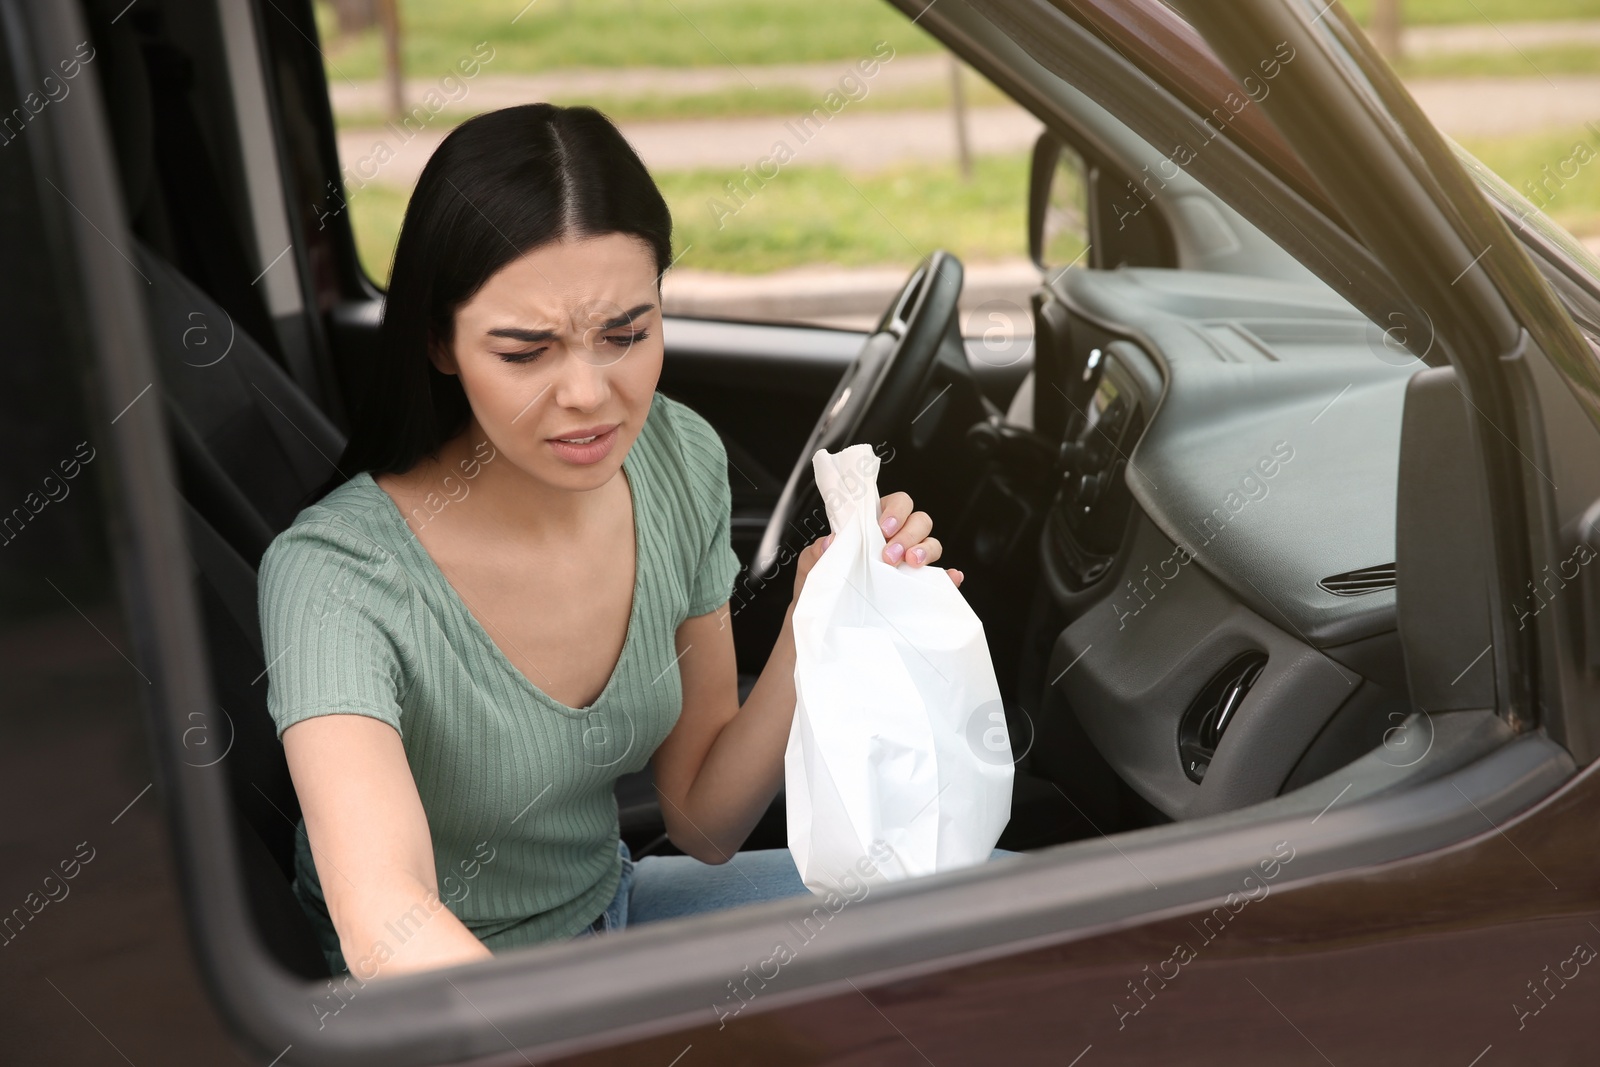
[[1201, 727], [1355, 583]]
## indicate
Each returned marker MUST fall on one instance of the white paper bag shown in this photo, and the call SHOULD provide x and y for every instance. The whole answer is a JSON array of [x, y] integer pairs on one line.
[[898, 763]]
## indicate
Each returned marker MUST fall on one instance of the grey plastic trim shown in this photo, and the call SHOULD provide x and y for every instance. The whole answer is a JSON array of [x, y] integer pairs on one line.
[[1328, 508], [1444, 560], [1130, 666], [746, 341], [1247, 363]]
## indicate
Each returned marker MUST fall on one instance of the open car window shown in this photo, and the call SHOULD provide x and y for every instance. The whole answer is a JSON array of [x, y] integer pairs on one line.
[[805, 183]]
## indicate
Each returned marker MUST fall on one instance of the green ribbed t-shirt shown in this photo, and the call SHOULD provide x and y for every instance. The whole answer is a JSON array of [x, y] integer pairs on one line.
[[356, 618]]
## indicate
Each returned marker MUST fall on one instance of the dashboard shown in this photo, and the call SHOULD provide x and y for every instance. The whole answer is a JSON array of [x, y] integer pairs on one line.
[[1221, 544]]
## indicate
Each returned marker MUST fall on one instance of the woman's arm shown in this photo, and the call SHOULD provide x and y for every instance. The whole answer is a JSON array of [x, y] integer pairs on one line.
[[370, 842], [718, 770]]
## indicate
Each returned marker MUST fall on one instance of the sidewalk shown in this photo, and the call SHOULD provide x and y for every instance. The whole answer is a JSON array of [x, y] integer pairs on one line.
[[1484, 36], [1494, 107]]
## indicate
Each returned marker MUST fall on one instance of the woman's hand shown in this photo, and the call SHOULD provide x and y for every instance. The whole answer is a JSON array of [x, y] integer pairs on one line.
[[907, 532]]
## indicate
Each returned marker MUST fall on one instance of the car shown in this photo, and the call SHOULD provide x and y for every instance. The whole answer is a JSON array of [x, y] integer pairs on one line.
[[1280, 530]]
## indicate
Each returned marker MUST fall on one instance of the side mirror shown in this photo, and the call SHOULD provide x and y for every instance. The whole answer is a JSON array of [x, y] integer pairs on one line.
[[1058, 228]]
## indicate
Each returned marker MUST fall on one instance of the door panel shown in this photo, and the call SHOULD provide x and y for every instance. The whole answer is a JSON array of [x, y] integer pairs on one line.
[[92, 924]]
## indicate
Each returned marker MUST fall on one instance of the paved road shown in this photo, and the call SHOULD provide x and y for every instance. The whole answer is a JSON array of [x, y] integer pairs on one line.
[[1486, 36], [1492, 107]]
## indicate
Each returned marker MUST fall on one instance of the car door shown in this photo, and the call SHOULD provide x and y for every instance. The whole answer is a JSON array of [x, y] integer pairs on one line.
[[89, 879], [1425, 899]]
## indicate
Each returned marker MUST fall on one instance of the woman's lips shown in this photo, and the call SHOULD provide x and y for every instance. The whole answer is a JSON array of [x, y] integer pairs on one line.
[[576, 436], [593, 450]]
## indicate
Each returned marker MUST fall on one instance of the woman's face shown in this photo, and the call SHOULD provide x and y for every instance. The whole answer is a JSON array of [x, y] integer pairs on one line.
[[563, 344]]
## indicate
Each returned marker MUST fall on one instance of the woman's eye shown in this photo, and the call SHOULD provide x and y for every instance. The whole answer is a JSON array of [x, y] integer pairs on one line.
[[626, 340], [520, 357]]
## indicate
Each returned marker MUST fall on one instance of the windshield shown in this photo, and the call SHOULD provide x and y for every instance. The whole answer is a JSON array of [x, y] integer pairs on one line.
[[1529, 220], [1161, 41]]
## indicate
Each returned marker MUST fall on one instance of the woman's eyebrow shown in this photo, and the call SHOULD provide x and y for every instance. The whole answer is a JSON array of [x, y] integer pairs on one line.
[[517, 333], [626, 317]]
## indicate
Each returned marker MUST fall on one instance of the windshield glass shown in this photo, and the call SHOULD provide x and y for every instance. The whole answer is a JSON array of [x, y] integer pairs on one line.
[[1529, 217], [1201, 77]]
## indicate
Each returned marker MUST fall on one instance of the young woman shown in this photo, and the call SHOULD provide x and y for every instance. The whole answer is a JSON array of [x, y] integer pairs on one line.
[[520, 593]]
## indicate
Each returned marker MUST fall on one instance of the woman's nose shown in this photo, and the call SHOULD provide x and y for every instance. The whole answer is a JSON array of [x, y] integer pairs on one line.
[[583, 384]]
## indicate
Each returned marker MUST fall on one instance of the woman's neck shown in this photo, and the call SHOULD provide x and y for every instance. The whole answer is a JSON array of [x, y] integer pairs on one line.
[[474, 478]]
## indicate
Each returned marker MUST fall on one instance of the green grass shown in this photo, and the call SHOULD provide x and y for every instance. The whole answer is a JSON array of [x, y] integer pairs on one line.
[[555, 34], [1528, 63], [802, 216], [375, 214], [809, 215], [1574, 204], [737, 103], [1437, 12]]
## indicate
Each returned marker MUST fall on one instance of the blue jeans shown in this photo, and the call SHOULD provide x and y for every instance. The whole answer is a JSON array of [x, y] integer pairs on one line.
[[655, 888]]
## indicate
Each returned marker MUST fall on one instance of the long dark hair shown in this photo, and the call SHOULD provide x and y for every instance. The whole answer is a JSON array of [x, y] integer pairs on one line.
[[498, 186]]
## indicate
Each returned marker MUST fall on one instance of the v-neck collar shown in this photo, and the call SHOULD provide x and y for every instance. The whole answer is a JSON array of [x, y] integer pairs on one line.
[[427, 564]]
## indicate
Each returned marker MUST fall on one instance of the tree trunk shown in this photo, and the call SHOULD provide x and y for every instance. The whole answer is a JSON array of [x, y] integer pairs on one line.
[[389, 16], [355, 15], [958, 104], [1386, 19]]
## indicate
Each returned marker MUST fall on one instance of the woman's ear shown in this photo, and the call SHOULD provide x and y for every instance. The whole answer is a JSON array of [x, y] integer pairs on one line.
[[442, 358]]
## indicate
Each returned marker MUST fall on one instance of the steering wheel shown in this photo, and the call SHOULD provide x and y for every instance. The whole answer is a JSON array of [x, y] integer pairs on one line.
[[874, 397]]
